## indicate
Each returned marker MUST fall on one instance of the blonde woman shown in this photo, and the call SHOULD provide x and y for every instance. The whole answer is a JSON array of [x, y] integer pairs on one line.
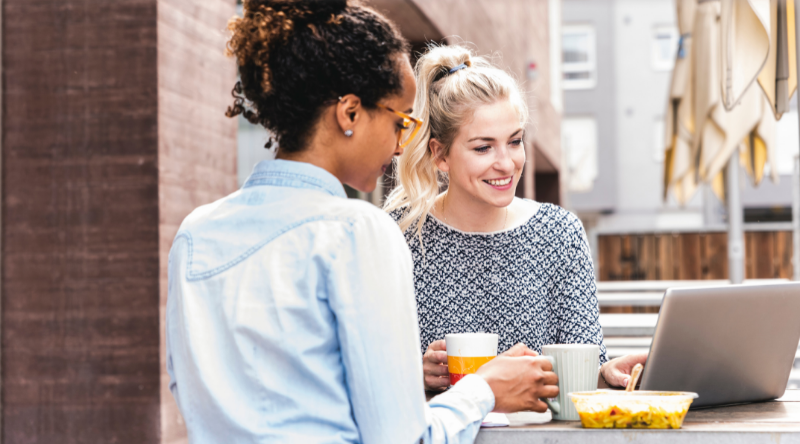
[[484, 260]]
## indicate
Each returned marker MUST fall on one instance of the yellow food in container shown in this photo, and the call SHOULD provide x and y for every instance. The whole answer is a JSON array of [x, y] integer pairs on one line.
[[608, 409]]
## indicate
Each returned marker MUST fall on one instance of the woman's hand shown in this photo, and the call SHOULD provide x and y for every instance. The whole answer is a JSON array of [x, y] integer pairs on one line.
[[617, 372], [434, 366], [519, 379]]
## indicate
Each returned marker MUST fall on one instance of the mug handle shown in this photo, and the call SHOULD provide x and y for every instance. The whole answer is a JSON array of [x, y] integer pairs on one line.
[[553, 404]]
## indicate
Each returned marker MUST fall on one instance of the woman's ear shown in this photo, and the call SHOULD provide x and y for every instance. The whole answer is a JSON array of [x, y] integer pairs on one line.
[[436, 151], [348, 112]]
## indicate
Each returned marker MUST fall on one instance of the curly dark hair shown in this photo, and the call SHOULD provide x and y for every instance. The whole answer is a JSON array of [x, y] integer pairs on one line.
[[295, 56]]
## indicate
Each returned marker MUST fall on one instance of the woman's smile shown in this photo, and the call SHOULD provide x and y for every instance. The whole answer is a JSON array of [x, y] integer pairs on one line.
[[501, 184]]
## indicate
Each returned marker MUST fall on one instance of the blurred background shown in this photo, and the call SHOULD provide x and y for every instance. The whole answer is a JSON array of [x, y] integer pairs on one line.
[[113, 130]]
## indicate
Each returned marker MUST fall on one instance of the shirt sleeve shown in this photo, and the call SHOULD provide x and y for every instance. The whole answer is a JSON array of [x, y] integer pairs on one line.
[[455, 416], [371, 293], [577, 310]]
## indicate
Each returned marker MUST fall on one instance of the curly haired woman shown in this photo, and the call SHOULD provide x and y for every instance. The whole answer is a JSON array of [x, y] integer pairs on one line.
[[485, 261], [291, 314]]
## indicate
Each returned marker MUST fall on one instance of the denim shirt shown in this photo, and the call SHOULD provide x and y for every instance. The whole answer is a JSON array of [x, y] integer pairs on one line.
[[291, 319]]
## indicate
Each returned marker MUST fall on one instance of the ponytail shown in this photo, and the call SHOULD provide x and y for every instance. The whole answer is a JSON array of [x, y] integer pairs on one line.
[[447, 96]]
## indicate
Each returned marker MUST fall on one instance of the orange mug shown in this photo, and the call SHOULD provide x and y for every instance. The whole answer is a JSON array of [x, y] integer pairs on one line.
[[466, 352]]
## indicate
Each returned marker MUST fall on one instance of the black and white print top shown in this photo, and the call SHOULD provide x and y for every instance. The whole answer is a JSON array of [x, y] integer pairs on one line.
[[532, 284]]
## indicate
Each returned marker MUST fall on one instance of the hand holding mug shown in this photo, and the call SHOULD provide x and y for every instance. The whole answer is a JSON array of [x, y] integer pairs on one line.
[[519, 380], [434, 366]]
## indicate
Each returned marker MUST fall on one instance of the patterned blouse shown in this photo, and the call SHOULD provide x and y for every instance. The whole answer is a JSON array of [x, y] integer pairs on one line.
[[532, 284]]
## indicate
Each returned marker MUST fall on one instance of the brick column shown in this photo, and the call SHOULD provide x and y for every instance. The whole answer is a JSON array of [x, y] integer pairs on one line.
[[112, 130]]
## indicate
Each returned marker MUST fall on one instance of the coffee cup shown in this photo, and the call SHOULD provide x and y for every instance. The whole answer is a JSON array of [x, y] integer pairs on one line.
[[576, 366], [467, 352]]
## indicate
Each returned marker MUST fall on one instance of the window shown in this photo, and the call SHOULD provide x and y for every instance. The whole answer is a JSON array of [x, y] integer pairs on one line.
[[664, 48], [579, 141], [578, 57]]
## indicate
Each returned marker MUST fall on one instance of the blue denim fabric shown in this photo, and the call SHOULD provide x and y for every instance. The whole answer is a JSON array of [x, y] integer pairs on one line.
[[291, 319]]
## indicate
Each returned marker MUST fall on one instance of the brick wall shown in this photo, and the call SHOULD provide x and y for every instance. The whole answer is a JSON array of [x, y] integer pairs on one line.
[[112, 131], [80, 351]]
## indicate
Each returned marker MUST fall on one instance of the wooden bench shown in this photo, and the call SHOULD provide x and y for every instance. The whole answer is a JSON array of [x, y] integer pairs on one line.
[[634, 324], [650, 293]]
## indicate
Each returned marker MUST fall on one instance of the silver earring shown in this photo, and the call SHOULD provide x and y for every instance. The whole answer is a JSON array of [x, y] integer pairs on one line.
[[348, 133]]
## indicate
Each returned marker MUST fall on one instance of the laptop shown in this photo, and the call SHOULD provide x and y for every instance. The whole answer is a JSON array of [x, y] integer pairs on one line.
[[729, 344]]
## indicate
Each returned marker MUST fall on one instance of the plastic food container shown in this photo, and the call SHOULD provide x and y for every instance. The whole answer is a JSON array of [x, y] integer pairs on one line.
[[609, 409]]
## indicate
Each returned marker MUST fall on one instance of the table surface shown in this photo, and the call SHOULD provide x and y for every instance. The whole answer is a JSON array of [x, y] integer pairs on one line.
[[775, 421]]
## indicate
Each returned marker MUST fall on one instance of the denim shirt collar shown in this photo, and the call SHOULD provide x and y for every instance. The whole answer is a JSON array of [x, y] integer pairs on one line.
[[288, 173]]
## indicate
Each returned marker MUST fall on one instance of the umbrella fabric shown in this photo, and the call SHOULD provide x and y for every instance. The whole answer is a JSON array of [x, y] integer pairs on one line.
[[714, 108], [758, 37], [721, 131], [710, 135], [679, 172], [725, 130], [744, 25], [778, 78], [756, 152]]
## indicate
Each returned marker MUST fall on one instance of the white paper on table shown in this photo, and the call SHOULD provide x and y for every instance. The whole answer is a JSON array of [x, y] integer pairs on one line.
[[495, 420]]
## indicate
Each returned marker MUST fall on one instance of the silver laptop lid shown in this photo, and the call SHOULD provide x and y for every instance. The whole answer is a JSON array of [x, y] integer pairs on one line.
[[729, 344]]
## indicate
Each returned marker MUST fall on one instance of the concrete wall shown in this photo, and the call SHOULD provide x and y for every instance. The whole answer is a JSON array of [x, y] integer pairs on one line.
[[641, 101], [598, 102]]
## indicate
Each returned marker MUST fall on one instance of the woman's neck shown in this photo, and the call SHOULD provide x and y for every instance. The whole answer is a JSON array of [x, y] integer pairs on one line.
[[462, 211]]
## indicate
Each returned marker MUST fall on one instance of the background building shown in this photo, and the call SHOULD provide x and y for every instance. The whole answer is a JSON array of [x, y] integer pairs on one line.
[[618, 56]]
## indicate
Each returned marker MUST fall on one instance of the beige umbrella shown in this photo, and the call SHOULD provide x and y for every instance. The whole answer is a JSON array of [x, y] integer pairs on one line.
[[679, 172], [713, 109], [759, 44], [778, 78], [734, 45], [745, 42]]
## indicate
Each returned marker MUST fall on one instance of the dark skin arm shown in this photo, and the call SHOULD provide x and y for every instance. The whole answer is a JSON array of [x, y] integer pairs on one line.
[[613, 374], [519, 380]]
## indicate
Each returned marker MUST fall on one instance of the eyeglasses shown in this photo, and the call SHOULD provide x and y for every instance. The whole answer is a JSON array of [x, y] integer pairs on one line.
[[410, 128]]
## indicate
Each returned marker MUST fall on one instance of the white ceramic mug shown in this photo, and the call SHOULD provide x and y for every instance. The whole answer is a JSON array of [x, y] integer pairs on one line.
[[466, 352], [576, 366]]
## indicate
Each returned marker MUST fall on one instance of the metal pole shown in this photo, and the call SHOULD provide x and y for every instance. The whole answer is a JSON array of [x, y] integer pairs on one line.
[[735, 221], [708, 206], [796, 200]]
